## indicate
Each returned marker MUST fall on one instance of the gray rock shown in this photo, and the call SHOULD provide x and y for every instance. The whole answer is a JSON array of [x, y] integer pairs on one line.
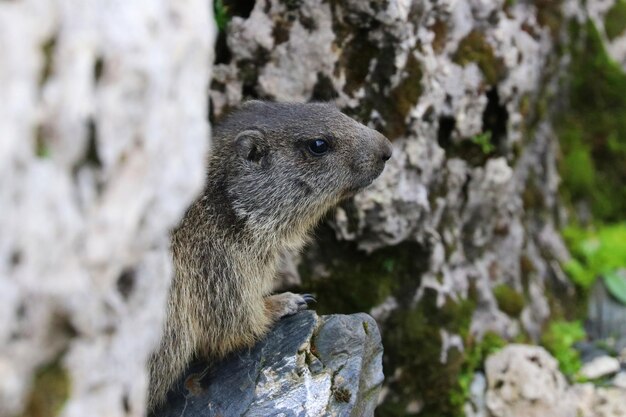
[[477, 407], [619, 380], [307, 366], [599, 367], [590, 350], [606, 316]]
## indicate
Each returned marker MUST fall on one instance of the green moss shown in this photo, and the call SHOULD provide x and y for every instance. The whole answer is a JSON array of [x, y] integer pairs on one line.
[[47, 50], [483, 140], [402, 99], [357, 281], [369, 65], [42, 148], [550, 14], [220, 11], [592, 130], [50, 391], [355, 59], [578, 168], [595, 252], [509, 301], [475, 150], [533, 196], [412, 340], [559, 340], [615, 20], [475, 354], [475, 48], [392, 103], [440, 29]]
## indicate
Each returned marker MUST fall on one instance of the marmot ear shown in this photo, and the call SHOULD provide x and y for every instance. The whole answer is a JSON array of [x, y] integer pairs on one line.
[[250, 145]]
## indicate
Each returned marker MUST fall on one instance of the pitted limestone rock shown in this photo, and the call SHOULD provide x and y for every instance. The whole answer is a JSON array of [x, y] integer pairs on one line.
[[103, 141], [524, 381]]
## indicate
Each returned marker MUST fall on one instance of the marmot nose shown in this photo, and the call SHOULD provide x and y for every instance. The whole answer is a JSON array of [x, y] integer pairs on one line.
[[386, 152]]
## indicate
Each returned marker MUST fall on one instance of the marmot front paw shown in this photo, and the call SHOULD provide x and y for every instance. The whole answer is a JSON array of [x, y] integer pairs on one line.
[[287, 303]]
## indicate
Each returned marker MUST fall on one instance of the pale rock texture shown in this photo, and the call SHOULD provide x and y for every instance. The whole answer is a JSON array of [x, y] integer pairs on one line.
[[104, 132], [525, 381], [600, 367], [620, 380], [608, 402]]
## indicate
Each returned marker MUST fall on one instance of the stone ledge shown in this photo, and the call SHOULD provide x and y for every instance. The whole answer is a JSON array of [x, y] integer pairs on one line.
[[307, 366]]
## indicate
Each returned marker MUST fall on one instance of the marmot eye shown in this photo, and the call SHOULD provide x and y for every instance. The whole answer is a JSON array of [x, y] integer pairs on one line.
[[318, 146]]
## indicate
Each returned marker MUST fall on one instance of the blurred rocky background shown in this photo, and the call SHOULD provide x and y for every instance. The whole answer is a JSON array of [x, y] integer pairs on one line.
[[103, 137], [497, 226]]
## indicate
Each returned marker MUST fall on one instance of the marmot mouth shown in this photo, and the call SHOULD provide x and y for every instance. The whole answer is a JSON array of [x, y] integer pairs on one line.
[[350, 191]]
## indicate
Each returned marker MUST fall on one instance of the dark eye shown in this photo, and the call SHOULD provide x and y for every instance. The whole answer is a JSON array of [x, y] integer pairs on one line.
[[318, 147]]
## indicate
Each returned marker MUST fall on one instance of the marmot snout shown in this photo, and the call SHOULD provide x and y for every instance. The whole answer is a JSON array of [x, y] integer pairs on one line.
[[274, 170]]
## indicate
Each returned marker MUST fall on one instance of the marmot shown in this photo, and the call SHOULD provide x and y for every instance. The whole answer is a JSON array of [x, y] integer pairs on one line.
[[274, 170]]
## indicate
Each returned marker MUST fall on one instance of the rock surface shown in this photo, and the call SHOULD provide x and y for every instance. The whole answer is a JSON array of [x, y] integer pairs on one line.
[[104, 132], [524, 381], [606, 315], [600, 367], [619, 380], [306, 366]]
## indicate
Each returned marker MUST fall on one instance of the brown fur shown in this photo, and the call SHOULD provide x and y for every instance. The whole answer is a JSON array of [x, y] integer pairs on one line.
[[264, 193]]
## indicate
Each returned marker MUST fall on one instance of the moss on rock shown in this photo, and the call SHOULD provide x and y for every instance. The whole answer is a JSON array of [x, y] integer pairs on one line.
[[615, 20], [412, 340], [393, 104], [440, 30], [355, 59], [50, 391], [402, 98], [475, 48], [476, 351], [509, 301], [592, 130], [356, 281], [559, 340], [550, 14]]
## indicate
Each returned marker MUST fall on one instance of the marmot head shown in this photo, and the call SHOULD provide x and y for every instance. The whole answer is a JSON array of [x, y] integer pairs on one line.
[[287, 164]]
